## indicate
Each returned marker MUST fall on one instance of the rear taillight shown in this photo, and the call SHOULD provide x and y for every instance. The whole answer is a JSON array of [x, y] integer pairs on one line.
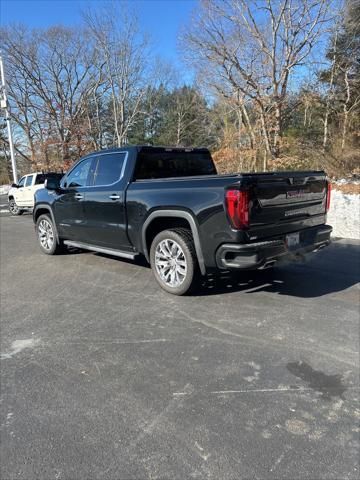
[[328, 196], [237, 206]]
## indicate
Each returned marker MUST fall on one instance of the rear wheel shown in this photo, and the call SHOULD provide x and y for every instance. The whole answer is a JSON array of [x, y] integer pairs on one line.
[[173, 261], [46, 235], [14, 208]]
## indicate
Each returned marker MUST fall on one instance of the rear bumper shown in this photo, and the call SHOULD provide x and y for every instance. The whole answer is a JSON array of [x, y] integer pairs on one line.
[[251, 256]]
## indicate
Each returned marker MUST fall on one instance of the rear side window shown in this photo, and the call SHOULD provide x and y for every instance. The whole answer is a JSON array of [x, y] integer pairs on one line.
[[29, 180], [108, 169], [40, 179], [163, 163]]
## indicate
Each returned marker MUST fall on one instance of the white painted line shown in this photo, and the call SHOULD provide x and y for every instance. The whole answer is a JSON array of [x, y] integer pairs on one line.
[[123, 342], [262, 390]]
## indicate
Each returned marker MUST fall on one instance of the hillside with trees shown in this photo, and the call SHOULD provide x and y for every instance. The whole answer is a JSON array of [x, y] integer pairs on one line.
[[276, 86]]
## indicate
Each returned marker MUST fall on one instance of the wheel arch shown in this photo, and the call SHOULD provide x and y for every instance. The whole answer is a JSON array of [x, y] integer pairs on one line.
[[173, 215], [43, 209]]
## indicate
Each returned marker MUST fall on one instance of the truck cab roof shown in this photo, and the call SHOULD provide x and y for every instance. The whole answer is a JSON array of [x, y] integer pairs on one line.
[[138, 148]]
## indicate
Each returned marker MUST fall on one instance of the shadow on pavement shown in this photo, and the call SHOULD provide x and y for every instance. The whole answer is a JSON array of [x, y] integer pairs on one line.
[[332, 270]]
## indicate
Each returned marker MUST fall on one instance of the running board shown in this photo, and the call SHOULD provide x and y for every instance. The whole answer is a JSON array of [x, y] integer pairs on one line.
[[109, 251]]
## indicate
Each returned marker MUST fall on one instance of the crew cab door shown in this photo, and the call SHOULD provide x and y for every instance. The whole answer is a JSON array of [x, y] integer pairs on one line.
[[28, 192], [19, 192], [105, 202], [69, 204]]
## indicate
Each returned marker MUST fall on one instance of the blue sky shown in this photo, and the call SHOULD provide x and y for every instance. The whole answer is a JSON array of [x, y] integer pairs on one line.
[[162, 19]]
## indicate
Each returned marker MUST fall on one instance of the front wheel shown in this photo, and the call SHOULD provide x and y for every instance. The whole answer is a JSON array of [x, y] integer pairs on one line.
[[46, 235], [173, 261], [14, 208]]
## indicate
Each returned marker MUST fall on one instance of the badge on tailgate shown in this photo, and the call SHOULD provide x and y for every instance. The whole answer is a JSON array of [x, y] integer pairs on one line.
[[296, 193]]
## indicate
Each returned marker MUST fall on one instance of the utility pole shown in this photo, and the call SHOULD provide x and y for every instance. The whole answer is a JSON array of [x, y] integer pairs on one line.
[[5, 106]]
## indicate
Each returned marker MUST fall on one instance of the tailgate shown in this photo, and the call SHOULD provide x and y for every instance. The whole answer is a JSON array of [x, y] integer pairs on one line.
[[286, 202]]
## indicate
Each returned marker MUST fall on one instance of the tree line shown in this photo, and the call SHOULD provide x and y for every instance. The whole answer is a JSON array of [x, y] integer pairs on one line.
[[276, 86]]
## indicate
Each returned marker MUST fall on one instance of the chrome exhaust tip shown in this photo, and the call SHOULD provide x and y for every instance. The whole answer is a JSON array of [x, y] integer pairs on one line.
[[269, 264]]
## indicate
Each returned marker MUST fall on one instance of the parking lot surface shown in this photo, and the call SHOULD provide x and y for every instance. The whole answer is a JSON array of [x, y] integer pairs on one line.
[[105, 376]]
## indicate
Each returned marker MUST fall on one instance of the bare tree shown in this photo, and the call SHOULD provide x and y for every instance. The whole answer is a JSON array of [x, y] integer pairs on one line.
[[331, 90], [50, 77], [349, 64], [350, 104], [342, 97], [124, 59], [72, 90], [185, 102], [251, 48]]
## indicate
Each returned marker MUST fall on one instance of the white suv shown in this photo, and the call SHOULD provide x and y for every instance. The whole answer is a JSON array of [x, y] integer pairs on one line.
[[21, 195]]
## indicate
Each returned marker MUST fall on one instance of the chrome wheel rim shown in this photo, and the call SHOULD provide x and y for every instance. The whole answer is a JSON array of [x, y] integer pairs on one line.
[[13, 208], [46, 234], [170, 263]]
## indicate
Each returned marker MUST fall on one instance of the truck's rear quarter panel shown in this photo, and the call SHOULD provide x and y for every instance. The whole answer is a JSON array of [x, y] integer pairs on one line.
[[203, 197], [279, 203]]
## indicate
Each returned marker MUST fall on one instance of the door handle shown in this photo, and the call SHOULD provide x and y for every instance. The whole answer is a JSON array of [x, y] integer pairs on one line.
[[78, 196], [114, 196]]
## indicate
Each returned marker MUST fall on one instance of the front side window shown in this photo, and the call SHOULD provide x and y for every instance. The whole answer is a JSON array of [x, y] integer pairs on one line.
[[108, 169], [29, 180], [79, 175], [22, 182]]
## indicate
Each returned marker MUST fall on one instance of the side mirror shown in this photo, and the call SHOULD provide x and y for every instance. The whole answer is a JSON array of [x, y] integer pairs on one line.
[[14, 185], [52, 183]]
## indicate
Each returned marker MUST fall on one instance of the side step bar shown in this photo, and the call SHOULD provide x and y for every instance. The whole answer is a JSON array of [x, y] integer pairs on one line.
[[94, 248]]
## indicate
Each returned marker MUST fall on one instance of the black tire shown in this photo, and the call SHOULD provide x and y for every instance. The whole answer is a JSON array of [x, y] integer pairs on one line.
[[54, 247], [188, 273], [14, 209]]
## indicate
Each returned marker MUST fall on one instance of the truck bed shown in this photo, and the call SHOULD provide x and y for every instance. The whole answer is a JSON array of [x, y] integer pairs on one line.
[[280, 203]]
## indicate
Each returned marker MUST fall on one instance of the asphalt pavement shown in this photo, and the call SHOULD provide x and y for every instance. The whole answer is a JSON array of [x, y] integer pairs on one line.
[[105, 376]]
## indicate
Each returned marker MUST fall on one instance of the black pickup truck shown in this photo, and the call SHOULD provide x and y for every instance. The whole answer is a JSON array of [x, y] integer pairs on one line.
[[170, 205]]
